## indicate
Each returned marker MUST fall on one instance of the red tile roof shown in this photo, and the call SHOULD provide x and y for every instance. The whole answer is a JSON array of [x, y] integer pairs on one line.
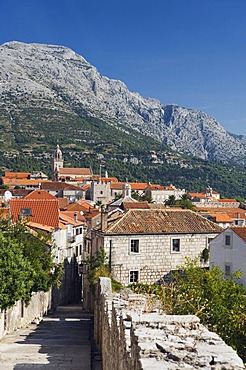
[[16, 192], [68, 217], [43, 211], [63, 202], [153, 221], [134, 185], [221, 217], [235, 212], [17, 175], [136, 205], [240, 231], [227, 200], [39, 194], [157, 187], [80, 206], [55, 185], [75, 171], [22, 182]]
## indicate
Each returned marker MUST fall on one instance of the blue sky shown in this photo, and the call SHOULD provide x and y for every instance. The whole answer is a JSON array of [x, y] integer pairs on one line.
[[188, 52]]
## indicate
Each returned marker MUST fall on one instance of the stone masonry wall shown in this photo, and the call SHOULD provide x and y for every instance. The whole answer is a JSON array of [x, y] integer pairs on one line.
[[19, 315], [155, 258], [133, 340]]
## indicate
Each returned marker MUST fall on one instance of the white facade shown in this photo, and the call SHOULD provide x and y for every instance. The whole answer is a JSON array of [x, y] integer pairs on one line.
[[100, 191], [228, 251], [161, 195], [57, 162]]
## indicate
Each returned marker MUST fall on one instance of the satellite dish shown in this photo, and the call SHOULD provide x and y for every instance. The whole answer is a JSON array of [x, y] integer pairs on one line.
[[7, 195]]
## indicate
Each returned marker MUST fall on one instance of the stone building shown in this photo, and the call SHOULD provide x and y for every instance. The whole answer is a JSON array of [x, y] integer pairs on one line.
[[68, 174], [228, 251], [159, 193], [145, 245]]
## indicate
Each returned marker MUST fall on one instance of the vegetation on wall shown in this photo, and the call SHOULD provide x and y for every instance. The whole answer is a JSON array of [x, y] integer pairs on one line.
[[26, 264], [219, 303], [98, 266]]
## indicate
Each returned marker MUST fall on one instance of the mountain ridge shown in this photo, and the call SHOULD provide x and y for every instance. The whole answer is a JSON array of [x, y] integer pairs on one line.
[[56, 79]]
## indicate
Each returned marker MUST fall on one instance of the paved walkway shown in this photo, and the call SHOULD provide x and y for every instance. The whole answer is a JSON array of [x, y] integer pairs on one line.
[[59, 342]]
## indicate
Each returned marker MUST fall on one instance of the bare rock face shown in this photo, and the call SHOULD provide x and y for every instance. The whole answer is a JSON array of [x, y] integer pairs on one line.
[[56, 78]]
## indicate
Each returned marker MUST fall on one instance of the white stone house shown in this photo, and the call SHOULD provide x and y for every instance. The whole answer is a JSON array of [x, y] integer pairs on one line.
[[145, 245], [159, 193], [228, 251]]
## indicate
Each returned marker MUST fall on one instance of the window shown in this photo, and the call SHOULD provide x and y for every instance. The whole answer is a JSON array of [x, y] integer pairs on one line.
[[26, 211], [227, 240], [134, 246], [227, 269], [134, 276], [175, 245]]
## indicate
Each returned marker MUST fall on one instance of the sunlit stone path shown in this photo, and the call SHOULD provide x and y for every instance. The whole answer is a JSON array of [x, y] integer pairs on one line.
[[60, 341]]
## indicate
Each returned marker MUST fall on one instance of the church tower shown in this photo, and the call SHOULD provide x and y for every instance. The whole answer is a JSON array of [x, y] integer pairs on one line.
[[57, 163]]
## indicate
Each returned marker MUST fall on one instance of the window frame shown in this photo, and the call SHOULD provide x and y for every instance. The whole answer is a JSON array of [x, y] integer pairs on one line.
[[134, 281], [226, 266], [172, 246], [209, 239], [230, 240], [133, 247]]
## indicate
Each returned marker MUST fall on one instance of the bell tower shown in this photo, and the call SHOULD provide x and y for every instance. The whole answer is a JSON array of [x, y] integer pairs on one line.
[[57, 163]]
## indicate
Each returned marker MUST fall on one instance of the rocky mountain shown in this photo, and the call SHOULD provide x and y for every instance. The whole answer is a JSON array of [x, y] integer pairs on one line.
[[43, 86]]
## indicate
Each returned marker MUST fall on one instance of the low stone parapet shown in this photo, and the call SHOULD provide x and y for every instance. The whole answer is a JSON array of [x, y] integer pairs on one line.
[[21, 315], [131, 339]]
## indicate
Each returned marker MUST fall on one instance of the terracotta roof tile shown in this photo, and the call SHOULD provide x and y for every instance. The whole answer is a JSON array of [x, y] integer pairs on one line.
[[68, 217], [75, 171], [16, 192], [136, 205], [221, 217], [54, 185], [63, 202], [17, 175], [157, 187], [40, 227], [43, 211], [227, 200], [134, 185], [22, 182], [153, 221], [235, 212], [39, 194], [240, 231]]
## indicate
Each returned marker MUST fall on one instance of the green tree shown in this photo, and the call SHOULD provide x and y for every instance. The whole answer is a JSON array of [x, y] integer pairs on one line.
[[16, 273], [171, 201], [219, 303], [98, 266], [34, 263]]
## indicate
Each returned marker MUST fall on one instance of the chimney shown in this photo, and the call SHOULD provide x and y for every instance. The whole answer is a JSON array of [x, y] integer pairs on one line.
[[75, 216], [104, 220]]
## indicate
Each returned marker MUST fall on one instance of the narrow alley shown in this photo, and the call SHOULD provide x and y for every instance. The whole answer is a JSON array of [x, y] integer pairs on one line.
[[59, 342]]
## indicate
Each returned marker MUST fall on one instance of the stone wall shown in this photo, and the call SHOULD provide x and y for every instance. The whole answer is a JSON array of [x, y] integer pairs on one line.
[[131, 339], [217, 204], [155, 258], [19, 315]]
